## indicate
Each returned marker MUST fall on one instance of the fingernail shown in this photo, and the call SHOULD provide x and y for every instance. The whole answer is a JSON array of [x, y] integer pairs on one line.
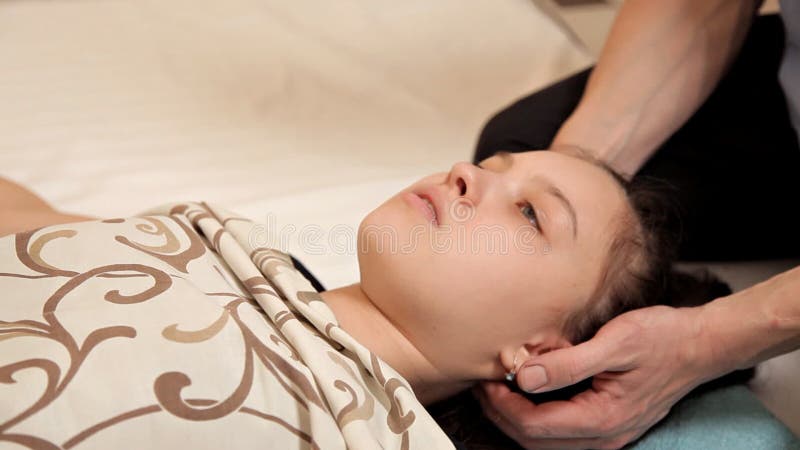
[[532, 378]]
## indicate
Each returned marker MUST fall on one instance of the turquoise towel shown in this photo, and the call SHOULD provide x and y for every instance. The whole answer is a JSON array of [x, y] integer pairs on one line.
[[730, 418]]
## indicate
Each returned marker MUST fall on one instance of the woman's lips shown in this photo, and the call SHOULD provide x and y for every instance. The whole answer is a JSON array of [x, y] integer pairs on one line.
[[424, 205]]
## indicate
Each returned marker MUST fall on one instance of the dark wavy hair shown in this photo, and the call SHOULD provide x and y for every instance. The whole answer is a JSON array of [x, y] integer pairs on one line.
[[638, 272]]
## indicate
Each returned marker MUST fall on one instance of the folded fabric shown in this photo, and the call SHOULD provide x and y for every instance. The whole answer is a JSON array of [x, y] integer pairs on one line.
[[728, 418], [174, 329]]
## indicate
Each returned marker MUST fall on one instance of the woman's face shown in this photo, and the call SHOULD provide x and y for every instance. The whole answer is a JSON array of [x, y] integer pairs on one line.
[[513, 246]]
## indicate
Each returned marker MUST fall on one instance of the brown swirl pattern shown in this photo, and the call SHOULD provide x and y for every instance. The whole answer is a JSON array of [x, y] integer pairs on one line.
[[170, 326]]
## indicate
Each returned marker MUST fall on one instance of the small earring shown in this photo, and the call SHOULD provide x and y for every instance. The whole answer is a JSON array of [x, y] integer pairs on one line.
[[513, 373]]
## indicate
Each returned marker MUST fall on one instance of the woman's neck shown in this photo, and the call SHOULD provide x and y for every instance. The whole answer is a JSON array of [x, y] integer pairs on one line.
[[359, 316]]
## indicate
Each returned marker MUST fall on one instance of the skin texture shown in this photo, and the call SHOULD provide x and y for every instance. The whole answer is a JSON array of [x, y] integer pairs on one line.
[[643, 362], [21, 210], [631, 391], [446, 317], [661, 61]]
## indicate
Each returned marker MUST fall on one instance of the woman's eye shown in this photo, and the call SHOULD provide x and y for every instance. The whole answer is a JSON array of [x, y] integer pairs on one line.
[[529, 213]]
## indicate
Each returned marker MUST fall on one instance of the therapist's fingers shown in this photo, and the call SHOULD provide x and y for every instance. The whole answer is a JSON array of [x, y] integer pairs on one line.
[[570, 365], [575, 418], [551, 425]]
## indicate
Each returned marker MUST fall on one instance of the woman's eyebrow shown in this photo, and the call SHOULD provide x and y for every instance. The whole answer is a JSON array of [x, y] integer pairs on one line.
[[550, 188]]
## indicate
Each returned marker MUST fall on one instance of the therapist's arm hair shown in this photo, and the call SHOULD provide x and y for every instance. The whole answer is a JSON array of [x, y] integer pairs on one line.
[[660, 62], [751, 326]]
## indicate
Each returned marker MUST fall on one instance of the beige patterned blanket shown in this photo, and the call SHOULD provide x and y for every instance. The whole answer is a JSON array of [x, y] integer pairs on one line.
[[172, 330]]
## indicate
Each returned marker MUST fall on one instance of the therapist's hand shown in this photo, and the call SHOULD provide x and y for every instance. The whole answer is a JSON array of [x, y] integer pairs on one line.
[[642, 361]]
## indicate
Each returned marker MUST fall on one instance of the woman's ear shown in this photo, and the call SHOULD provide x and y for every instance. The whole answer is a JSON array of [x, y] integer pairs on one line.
[[512, 358]]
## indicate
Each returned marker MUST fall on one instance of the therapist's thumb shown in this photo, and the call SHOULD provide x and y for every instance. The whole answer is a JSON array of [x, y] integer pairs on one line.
[[562, 367]]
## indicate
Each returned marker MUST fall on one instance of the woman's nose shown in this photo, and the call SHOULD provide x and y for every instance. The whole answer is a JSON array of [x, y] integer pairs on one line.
[[463, 180]]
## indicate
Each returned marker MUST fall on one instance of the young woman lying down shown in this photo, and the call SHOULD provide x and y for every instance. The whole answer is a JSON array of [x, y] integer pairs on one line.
[[175, 328]]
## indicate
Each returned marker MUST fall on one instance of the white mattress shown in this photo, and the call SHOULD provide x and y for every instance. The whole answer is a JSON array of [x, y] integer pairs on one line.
[[306, 112]]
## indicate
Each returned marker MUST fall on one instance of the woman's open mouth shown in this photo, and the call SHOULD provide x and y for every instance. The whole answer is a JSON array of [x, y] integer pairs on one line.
[[424, 205]]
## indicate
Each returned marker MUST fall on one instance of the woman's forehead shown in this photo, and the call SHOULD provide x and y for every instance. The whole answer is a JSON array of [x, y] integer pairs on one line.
[[594, 195]]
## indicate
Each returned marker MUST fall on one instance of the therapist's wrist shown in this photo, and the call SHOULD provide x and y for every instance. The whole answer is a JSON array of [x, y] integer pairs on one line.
[[757, 323], [586, 140], [700, 358], [591, 130], [722, 337], [612, 138]]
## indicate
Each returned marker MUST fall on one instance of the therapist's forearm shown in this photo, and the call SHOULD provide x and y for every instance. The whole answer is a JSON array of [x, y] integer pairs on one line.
[[661, 61], [753, 325]]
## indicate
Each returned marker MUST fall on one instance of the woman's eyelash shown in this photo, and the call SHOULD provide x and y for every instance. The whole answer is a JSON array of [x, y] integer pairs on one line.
[[530, 213]]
